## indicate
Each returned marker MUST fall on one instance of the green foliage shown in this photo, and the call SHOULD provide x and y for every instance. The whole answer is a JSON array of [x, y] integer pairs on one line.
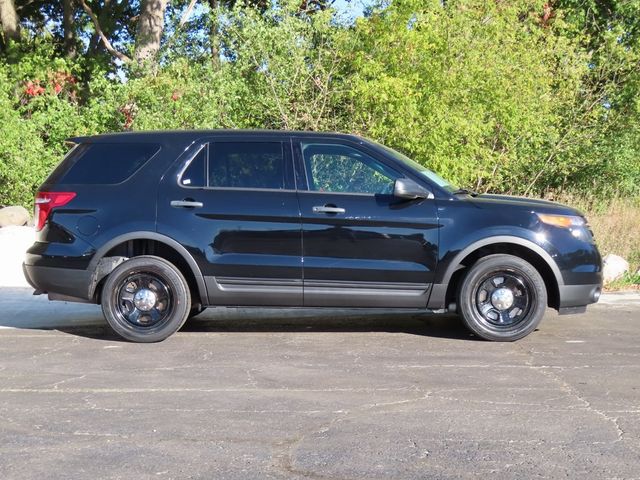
[[474, 91], [627, 281], [513, 97], [23, 154]]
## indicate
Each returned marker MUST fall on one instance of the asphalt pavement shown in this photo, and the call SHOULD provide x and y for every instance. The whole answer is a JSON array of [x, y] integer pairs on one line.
[[317, 395]]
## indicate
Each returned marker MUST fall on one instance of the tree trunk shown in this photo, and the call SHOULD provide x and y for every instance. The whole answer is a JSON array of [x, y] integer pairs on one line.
[[150, 27], [67, 23], [9, 20], [214, 33]]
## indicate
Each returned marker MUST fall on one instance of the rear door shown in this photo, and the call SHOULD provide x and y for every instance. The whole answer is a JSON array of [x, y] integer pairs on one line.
[[362, 247], [232, 203]]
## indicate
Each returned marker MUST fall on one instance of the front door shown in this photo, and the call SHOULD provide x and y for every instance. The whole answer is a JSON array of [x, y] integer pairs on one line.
[[232, 203], [362, 246]]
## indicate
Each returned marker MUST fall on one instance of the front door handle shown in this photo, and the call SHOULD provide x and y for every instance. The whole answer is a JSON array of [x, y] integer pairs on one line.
[[186, 204], [328, 209]]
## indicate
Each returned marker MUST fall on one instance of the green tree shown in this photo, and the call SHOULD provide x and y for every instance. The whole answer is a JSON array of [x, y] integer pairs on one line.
[[518, 97]]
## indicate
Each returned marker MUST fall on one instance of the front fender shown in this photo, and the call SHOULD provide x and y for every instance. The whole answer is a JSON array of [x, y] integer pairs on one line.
[[451, 260]]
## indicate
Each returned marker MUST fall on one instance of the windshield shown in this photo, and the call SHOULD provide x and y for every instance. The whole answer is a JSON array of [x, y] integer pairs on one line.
[[434, 177]]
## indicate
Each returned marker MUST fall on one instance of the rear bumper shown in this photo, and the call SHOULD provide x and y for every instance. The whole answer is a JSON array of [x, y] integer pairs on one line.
[[61, 281], [575, 298]]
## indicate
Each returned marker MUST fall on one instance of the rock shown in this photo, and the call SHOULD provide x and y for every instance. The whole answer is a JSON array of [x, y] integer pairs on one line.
[[14, 242], [14, 216], [613, 267]]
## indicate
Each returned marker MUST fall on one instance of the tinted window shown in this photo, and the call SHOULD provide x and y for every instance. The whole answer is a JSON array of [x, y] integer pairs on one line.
[[342, 169], [246, 165], [103, 163], [195, 173]]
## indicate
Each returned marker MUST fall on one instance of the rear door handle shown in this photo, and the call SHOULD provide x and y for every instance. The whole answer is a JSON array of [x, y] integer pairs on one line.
[[328, 209], [186, 204]]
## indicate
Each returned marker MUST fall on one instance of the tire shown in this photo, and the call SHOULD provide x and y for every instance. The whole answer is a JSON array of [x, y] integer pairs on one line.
[[502, 298], [146, 299]]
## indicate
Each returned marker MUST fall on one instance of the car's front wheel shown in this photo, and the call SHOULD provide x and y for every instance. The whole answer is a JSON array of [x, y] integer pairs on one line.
[[502, 298], [146, 299]]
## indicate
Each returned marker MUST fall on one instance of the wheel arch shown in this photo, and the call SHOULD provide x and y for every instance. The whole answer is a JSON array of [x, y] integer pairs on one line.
[[103, 262], [520, 247]]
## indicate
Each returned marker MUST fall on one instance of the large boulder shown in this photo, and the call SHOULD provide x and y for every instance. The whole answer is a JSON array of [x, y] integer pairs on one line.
[[14, 216], [14, 242], [613, 267]]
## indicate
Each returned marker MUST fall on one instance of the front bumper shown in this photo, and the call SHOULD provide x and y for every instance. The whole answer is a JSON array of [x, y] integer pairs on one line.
[[67, 282], [575, 298]]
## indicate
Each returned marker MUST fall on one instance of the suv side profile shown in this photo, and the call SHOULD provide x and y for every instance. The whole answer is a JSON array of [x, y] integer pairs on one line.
[[157, 226]]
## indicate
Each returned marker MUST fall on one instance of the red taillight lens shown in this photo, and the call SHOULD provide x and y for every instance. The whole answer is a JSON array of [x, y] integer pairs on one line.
[[46, 202]]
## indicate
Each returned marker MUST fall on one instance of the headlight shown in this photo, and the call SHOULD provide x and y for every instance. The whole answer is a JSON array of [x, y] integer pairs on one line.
[[575, 224], [562, 221]]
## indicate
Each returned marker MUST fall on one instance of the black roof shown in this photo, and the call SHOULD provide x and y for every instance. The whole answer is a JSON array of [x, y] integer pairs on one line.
[[190, 135]]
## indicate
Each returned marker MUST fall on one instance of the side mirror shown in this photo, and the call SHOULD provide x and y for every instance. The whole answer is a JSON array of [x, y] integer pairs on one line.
[[407, 188]]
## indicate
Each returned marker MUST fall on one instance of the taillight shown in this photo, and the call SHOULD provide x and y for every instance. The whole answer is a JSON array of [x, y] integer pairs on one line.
[[46, 202]]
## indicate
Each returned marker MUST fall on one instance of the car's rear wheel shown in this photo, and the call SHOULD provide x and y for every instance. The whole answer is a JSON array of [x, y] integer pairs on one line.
[[502, 298], [146, 299]]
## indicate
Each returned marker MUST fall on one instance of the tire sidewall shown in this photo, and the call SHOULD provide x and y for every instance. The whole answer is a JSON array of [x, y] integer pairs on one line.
[[174, 280], [505, 263]]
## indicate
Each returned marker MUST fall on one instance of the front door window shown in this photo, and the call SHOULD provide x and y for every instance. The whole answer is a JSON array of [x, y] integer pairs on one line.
[[342, 169]]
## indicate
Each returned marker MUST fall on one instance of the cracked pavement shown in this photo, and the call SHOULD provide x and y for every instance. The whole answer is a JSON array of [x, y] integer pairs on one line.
[[244, 394]]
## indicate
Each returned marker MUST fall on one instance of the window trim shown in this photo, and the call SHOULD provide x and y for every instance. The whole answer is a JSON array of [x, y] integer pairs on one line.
[[353, 194], [187, 164]]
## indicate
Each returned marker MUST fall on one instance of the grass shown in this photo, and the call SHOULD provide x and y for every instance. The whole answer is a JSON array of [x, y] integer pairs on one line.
[[629, 281], [616, 227]]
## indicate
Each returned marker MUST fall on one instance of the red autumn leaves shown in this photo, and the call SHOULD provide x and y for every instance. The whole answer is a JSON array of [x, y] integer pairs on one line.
[[57, 83]]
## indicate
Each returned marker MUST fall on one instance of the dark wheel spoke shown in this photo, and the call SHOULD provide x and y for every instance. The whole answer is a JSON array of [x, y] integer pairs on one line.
[[520, 302], [512, 283], [134, 316], [127, 296], [155, 315], [162, 297]]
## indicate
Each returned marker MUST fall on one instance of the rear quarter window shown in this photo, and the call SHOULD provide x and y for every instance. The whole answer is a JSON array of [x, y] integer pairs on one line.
[[102, 163]]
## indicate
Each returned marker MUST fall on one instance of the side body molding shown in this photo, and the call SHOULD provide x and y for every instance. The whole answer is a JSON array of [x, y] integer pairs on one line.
[[439, 290], [145, 235]]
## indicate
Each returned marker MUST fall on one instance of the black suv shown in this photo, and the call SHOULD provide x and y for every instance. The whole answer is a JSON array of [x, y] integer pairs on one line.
[[156, 226]]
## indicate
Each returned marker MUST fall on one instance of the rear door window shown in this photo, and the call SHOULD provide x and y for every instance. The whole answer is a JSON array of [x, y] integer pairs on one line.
[[103, 163], [242, 165], [247, 165]]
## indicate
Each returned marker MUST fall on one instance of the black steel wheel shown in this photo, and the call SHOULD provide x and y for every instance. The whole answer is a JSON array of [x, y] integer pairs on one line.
[[146, 299], [502, 298]]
